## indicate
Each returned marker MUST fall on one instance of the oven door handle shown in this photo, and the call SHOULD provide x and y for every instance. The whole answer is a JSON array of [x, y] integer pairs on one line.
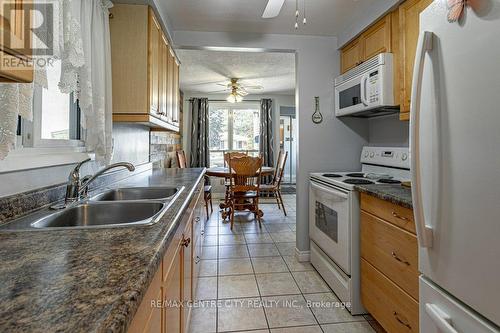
[[330, 190]]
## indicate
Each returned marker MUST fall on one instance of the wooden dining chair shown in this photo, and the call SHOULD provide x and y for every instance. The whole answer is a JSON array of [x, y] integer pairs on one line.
[[181, 159], [275, 187], [233, 154], [244, 185], [207, 190], [227, 155]]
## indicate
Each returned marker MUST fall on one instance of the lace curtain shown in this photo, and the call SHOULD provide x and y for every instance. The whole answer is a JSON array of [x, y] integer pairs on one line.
[[83, 46]]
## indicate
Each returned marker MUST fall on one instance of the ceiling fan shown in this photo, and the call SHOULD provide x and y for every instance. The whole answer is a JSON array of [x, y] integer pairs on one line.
[[273, 8], [237, 90]]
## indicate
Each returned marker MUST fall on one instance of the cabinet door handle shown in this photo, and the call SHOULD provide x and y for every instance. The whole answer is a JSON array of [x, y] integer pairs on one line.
[[197, 219], [395, 256], [396, 215], [198, 259], [185, 242], [396, 315], [202, 232]]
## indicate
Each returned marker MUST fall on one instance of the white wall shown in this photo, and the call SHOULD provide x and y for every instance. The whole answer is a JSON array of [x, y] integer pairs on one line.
[[389, 131], [330, 146]]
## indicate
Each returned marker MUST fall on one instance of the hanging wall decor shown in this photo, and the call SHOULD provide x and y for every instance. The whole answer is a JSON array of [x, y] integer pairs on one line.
[[455, 9], [317, 117]]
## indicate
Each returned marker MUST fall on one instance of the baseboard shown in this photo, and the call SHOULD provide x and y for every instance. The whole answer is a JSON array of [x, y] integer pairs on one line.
[[302, 256]]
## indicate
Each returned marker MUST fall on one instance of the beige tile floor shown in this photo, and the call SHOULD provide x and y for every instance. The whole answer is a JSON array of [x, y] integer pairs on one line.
[[259, 286]]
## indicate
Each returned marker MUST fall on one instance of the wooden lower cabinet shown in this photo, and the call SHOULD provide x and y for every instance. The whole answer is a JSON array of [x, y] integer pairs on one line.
[[172, 295], [148, 318], [187, 274], [389, 264], [166, 305], [394, 309]]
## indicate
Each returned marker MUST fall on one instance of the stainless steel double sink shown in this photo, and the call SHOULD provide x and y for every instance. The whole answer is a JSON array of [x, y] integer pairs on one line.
[[119, 207]]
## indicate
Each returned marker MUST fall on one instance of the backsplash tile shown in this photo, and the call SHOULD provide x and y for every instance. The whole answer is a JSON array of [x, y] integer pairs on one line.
[[163, 146]]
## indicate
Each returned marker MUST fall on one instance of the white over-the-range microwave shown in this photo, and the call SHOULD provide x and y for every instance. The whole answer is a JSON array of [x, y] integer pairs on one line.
[[367, 90]]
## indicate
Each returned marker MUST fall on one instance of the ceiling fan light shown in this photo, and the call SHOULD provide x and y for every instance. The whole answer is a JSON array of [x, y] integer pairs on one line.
[[231, 99], [238, 99]]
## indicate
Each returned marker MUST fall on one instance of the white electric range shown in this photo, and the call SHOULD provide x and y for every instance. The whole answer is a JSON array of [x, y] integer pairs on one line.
[[334, 214]]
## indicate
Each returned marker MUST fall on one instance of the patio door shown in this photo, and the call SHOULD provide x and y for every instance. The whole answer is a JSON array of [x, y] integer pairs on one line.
[[288, 133]]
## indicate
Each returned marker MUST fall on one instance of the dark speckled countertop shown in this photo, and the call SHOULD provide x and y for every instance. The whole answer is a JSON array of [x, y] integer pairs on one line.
[[86, 280], [397, 194]]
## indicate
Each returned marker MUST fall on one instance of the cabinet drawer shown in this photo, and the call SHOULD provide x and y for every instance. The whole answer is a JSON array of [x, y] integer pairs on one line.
[[391, 250], [398, 215], [394, 309]]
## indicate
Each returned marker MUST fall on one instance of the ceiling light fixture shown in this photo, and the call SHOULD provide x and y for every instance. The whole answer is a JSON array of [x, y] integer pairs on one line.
[[234, 97]]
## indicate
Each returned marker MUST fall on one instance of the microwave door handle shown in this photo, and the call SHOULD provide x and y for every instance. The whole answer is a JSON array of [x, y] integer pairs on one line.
[[363, 86], [424, 232]]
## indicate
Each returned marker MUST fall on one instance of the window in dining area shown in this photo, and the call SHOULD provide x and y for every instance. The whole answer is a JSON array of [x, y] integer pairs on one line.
[[233, 127]]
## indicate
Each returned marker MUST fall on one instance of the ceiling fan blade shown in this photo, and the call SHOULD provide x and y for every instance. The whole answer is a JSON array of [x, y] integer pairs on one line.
[[254, 87], [273, 8]]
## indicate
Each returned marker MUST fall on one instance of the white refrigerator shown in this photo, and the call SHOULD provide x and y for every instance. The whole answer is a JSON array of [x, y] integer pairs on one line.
[[455, 153]]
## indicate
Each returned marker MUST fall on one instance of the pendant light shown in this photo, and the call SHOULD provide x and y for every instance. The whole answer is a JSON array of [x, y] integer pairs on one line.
[[296, 14], [304, 21]]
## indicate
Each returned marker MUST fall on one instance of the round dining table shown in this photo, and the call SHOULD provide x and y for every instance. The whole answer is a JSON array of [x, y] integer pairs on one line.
[[223, 172]]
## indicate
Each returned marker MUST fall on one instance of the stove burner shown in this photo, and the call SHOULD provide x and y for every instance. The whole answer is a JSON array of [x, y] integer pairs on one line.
[[331, 175], [356, 175], [389, 181], [358, 181]]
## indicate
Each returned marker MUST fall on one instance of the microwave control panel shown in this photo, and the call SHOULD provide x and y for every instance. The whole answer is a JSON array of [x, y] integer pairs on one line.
[[373, 87]]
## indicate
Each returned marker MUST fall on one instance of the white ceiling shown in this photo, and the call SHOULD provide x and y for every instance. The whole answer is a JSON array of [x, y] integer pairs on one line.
[[324, 17], [201, 70]]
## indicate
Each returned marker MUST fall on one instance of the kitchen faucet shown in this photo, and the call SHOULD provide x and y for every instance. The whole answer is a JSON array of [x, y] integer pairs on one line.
[[76, 187]]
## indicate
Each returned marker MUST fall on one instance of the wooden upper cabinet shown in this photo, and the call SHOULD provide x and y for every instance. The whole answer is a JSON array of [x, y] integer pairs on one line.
[[141, 59], [176, 92], [170, 85], [15, 42], [162, 110], [154, 56], [351, 55], [409, 28], [377, 39]]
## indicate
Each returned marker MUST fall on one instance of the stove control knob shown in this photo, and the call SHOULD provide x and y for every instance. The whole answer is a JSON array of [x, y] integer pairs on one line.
[[367, 153], [372, 154], [404, 156]]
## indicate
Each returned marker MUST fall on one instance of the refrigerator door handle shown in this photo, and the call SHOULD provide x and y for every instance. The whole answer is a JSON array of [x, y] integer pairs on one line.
[[440, 318], [424, 232]]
